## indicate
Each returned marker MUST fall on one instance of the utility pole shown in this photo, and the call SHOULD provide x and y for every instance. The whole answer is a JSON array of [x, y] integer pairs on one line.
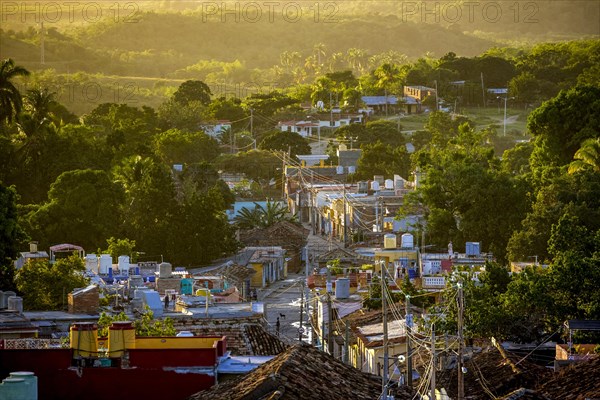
[[252, 126], [330, 111], [346, 344], [376, 215], [437, 107], [329, 325], [432, 362], [283, 177], [461, 378], [345, 224], [382, 214], [300, 330], [384, 376], [483, 90], [408, 349]]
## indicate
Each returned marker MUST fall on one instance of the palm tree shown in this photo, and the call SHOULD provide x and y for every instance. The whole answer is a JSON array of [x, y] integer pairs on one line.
[[587, 157], [39, 103], [263, 217], [249, 218], [319, 50], [10, 98], [132, 171], [356, 59], [387, 75]]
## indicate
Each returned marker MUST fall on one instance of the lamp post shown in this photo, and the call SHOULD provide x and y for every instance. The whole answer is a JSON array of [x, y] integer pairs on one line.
[[505, 101]]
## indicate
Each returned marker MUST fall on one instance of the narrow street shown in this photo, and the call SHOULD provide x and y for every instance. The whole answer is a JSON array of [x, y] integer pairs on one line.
[[284, 298], [284, 303]]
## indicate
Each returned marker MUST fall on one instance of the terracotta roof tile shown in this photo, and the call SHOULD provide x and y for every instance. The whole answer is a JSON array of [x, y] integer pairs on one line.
[[301, 372]]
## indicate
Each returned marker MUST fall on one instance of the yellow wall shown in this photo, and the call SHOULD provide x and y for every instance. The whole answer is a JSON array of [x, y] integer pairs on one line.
[[257, 278], [175, 343], [374, 355]]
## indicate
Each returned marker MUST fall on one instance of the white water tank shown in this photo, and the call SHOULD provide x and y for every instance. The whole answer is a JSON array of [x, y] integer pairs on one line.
[[15, 303], [4, 299], [351, 169], [389, 184], [165, 270], [389, 241], [124, 265], [105, 264], [407, 241], [375, 185], [342, 288], [91, 262], [339, 169]]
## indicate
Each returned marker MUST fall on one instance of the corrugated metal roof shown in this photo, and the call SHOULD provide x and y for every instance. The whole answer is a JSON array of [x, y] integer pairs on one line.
[[583, 325]]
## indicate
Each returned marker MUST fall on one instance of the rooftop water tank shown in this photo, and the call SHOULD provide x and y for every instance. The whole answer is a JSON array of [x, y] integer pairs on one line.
[[91, 262], [351, 169], [407, 241], [105, 263], [165, 270], [4, 299], [30, 383], [339, 170], [84, 339], [389, 241], [13, 388], [375, 185], [389, 184], [342, 288], [473, 249], [378, 178], [124, 265], [363, 187], [15, 303]]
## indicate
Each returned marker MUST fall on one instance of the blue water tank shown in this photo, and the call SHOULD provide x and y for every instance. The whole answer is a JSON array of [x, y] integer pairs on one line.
[[412, 273], [472, 249]]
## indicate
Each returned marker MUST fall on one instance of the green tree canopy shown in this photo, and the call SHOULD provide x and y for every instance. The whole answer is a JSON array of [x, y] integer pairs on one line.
[[285, 141], [45, 286], [179, 147], [190, 91], [11, 236], [381, 159], [83, 207], [10, 97]]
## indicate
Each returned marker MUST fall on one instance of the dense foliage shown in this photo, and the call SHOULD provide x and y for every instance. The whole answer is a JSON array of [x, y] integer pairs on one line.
[[149, 172]]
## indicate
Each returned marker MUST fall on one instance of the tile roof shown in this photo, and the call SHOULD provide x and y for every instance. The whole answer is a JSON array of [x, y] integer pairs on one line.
[[261, 342], [286, 234], [301, 372], [578, 381], [524, 394], [489, 368]]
